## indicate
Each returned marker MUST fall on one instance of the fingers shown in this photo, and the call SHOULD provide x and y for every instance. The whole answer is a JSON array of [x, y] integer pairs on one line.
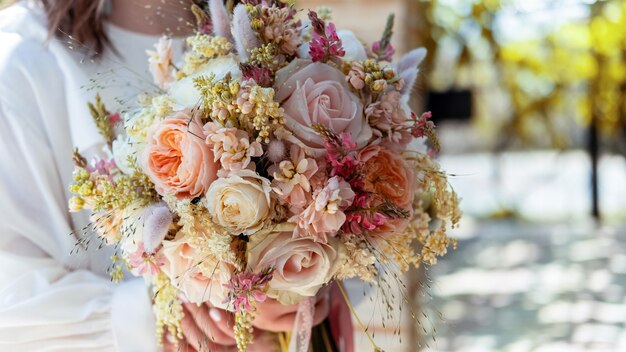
[[224, 321], [193, 336], [214, 323], [276, 317], [169, 345]]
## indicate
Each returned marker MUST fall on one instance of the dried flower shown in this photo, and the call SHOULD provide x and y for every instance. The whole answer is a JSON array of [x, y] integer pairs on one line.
[[246, 288], [146, 263], [325, 44], [160, 62], [325, 216], [291, 178], [232, 147]]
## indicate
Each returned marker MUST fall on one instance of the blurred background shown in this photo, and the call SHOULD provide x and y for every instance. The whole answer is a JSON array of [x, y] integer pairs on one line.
[[530, 101]]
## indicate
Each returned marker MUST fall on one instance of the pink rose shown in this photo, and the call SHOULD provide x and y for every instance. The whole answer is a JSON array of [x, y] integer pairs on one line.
[[177, 159], [198, 278], [301, 265], [315, 93]]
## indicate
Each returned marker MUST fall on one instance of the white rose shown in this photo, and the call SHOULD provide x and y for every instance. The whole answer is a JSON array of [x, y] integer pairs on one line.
[[240, 202], [352, 45], [123, 149], [301, 265], [184, 91]]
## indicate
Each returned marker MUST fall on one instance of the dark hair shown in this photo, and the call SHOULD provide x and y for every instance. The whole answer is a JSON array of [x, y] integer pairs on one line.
[[82, 20]]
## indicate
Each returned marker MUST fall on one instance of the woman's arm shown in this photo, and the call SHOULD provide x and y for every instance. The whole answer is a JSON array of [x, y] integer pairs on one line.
[[49, 299]]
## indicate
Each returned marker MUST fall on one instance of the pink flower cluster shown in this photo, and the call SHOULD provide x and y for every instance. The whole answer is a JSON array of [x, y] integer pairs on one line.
[[245, 289], [325, 44]]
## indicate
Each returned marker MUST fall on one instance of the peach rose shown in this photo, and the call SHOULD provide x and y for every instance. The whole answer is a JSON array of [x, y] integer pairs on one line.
[[301, 265], [177, 159], [183, 264], [315, 93], [388, 175]]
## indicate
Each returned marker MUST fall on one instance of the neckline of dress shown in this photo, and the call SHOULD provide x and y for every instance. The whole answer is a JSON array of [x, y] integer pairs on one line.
[[114, 30]]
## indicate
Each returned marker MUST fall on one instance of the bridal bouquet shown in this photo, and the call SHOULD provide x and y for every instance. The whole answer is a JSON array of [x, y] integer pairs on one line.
[[278, 155]]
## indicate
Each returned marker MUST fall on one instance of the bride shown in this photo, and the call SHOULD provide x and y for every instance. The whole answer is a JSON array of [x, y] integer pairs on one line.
[[54, 56]]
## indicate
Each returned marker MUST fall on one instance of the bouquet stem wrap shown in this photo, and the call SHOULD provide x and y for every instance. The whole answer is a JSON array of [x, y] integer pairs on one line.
[[303, 326]]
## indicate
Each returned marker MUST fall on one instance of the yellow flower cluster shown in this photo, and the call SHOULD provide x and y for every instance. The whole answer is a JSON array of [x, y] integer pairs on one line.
[[219, 98], [204, 235], [209, 46], [243, 329], [101, 193], [203, 48], [360, 260], [248, 107], [265, 55], [116, 270], [259, 109], [370, 75], [167, 307]]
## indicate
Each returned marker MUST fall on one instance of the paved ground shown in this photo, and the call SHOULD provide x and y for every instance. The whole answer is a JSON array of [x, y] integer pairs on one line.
[[515, 286], [546, 279]]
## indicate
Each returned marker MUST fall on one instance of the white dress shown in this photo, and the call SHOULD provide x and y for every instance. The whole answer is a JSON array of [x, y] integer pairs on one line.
[[51, 300]]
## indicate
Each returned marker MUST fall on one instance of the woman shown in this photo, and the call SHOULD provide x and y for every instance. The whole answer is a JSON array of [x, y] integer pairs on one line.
[[54, 56]]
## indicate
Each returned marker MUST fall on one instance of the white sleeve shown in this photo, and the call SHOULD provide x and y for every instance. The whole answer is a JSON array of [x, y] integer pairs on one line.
[[49, 299]]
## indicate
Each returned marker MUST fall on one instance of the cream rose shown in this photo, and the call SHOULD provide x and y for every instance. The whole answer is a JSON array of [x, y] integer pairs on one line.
[[315, 93], [184, 264], [240, 202], [301, 265]]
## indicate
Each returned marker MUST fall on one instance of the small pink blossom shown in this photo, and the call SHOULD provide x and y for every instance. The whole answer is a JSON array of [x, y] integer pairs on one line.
[[102, 167], [325, 44], [114, 118], [291, 177], [341, 155], [247, 288], [260, 74], [232, 147], [422, 125], [146, 263], [325, 216], [385, 53]]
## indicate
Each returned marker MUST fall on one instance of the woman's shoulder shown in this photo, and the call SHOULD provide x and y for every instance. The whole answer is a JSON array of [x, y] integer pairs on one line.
[[24, 57]]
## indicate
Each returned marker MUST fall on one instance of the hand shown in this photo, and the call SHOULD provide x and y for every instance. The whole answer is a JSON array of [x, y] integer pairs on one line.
[[206, 328], [273, 316]]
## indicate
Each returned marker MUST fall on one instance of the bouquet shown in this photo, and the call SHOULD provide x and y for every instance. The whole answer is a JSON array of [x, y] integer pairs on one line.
[[277, 156]]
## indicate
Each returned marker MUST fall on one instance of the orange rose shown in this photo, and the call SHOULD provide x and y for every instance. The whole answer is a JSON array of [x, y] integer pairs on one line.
[[177, 159], [388, 175]]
